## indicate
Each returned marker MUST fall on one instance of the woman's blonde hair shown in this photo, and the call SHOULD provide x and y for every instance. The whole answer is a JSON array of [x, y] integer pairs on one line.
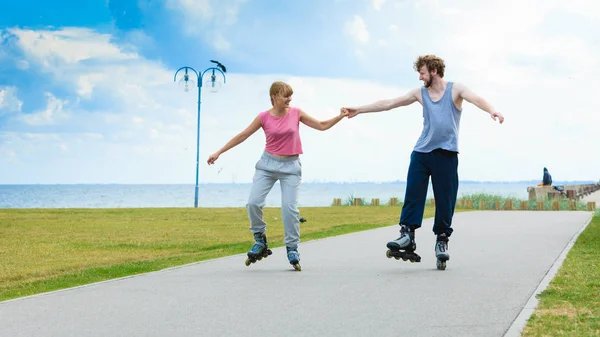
[[280, 88]]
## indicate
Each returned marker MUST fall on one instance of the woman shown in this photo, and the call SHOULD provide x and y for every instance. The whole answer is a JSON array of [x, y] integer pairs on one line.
[[280, 161]]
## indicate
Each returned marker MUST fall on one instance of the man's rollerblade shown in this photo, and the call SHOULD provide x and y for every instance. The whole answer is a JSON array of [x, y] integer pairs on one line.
[[259, 249], [404, 247], [441, 251], [294, 258]]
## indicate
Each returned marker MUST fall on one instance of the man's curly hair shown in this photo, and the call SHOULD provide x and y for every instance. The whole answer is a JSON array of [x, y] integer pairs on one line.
[[432, 62]]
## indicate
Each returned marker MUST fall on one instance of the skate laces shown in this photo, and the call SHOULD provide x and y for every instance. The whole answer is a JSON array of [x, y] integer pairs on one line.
[[293, 254], [441, 246]]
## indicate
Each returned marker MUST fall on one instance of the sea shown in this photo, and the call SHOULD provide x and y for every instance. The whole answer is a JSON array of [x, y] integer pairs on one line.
[[311, 194]]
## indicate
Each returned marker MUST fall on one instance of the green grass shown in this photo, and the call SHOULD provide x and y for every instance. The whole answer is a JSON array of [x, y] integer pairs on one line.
[[349, 201], [570, 306], [49, 249], [489, 202]]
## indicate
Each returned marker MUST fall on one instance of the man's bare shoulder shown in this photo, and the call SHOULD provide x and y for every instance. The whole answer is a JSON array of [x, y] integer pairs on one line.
[[459, 86], [458, 90], [416, 92]]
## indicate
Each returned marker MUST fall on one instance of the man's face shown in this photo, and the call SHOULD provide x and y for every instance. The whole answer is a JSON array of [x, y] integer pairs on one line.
[[425, 76]]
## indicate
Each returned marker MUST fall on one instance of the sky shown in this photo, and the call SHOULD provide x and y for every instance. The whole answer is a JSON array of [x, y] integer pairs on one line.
[[87, 90]]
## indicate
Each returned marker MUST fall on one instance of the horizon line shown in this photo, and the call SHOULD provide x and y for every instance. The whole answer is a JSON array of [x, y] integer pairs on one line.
[[535, 181]]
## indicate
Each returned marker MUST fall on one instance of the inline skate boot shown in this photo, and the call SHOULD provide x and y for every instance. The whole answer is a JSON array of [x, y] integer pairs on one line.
[[404, 247], [441, 251], [259, 249], [294, 258]]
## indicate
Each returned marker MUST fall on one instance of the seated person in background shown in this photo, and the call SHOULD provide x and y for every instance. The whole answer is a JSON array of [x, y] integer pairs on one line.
[[547, 181]]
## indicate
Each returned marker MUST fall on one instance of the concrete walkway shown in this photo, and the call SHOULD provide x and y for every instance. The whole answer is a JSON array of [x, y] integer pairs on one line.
[[347, 287]]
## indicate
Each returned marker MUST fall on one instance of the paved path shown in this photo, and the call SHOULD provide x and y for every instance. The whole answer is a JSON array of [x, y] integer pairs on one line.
[[347, 288]]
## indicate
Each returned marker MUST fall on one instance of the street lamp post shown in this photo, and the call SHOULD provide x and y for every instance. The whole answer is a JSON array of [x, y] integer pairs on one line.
[[213, 86]]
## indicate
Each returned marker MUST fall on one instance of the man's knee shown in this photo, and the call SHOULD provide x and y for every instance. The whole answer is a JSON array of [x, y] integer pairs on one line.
[[290, 208], [255, 204]]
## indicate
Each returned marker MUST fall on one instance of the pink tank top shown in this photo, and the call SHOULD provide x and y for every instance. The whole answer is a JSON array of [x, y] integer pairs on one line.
[[282, 133]]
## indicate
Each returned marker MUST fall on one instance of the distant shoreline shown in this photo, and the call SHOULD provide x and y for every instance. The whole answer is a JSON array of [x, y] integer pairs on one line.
[[521, 182]]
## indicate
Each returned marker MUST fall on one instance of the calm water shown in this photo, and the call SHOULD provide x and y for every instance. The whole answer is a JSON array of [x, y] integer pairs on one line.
[[214, 195]]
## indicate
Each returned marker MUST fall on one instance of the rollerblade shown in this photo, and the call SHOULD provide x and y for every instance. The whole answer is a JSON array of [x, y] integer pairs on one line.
[[441, 251], [294, 258], [259, 249], [404, 247]]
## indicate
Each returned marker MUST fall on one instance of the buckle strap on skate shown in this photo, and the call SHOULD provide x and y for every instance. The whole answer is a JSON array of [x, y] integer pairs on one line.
[[257, 247], [442, 237]]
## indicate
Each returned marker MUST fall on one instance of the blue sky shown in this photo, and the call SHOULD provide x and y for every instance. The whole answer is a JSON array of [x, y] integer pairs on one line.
[[87, 92]]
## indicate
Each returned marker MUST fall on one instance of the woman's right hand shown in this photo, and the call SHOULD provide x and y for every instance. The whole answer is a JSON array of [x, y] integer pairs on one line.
[[213, 158]]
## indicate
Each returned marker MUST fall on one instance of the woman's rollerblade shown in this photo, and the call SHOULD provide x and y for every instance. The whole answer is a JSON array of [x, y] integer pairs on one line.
[[441, 251], [404, 247], [294, 258], [259, 249]]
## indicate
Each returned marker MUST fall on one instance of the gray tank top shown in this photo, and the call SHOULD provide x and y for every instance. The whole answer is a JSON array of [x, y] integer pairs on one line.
[[441, 123]]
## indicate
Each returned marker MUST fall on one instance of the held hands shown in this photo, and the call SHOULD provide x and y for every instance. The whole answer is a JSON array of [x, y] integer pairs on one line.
[[350, 112], [343, 112], [213, 158], [498, 115]]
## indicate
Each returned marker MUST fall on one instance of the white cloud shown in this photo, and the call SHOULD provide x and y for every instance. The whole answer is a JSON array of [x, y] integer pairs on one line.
[[358, 29], [383, 43], [9, 102], [209, 19], [87, 82], [590, 9], [50, 47], [52, 114], [377, 4], [200, 8], [220, 43]]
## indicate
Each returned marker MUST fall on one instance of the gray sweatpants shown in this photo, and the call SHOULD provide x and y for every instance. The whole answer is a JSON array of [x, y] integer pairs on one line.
[[288, 171]]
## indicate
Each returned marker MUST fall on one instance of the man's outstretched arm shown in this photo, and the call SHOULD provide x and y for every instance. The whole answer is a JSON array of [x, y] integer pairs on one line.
[[471, 97], [385, 104]]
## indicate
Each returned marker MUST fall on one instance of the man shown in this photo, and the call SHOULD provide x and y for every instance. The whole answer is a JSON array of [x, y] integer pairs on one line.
[[435, 155]]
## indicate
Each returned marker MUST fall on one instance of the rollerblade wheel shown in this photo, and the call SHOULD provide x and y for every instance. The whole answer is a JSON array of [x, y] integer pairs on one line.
[[388, 254], [248, 262], [297, 267], [441, 265]]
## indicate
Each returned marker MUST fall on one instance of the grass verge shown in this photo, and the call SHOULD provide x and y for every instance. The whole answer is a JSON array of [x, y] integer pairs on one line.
[[570, 306]]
